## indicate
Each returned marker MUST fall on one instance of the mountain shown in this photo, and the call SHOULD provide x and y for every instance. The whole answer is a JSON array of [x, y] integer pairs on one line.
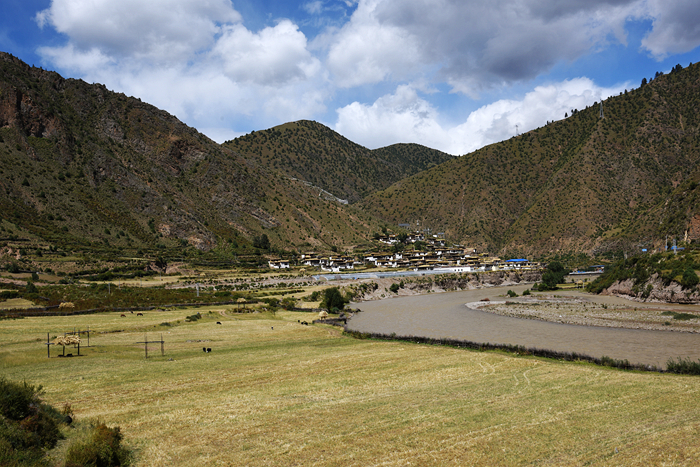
[[312, 152], [86, 168], [586, 183]]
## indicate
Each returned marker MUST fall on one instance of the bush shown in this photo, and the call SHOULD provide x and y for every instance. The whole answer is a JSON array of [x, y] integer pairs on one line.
[[690, 278], [686, 367], [553, 275], [333, 299], [100, 448], [511, 293], [526, 292], [16, 399], [394, 288], [26, 424], [288, 303], [314, 297], [31, 288], [193, 317], [7, 294]]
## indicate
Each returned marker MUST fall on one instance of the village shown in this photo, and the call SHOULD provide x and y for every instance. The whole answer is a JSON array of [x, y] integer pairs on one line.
[[432, 256]]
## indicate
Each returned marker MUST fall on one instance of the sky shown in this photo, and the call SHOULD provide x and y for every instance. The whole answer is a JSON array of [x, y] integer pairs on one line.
[[453, 75]]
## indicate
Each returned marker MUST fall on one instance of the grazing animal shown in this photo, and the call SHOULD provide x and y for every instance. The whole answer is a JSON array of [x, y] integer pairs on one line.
[[272, 327], [123, 316], [131, 312], [218, 322], [208, 350], [139, 314], [204, 349]]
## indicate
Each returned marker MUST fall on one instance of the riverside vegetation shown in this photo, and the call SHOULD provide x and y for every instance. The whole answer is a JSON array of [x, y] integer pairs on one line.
[[661, 276]]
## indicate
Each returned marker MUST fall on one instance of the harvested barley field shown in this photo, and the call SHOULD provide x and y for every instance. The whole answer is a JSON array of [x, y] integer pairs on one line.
[[275, 392]]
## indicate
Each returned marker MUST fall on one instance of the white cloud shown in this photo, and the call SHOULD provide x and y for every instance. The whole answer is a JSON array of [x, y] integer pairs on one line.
[[313, 8], [274, 55], [406, 117], [156, 30], [676, 27], [399, 117], [192, 58], [70, 58], [476, 44], [367, 51]]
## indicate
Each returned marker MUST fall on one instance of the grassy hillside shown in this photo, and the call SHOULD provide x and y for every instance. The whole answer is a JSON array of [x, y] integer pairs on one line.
[[582, 183], [316, 154], [85, 168], [274, 392]]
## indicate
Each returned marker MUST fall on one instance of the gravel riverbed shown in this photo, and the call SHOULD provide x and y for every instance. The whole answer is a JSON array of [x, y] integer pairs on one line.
[[596, 311]]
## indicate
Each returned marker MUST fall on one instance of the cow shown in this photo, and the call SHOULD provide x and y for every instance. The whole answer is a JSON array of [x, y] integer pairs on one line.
[[139, 314], [123, 316], [218, 322]]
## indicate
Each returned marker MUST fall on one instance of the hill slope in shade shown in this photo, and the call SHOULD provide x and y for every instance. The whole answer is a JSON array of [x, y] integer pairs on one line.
[[86, 167], [584, 183], [314, 153]]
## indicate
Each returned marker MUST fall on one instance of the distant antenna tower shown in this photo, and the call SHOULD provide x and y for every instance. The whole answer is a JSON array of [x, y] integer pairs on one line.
[[601, 109], [517, 133]]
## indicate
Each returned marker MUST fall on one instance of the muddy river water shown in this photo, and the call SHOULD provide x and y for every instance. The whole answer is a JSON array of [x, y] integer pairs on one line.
[[445, 315]]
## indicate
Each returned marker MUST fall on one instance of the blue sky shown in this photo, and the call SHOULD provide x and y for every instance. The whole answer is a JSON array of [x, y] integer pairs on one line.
[[454, 75]]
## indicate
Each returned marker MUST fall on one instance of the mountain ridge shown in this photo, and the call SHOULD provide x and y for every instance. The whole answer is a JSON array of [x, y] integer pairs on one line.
[[92, 169], [584, 183], [312, 152]]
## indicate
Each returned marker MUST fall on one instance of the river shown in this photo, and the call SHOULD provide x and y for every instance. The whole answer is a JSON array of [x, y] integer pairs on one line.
[[445, 315]]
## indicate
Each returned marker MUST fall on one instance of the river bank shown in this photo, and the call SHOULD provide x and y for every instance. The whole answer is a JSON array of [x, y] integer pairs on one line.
[[580, 308], [564, 324]]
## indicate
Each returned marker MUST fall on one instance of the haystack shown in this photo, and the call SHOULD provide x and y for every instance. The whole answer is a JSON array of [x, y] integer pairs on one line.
[[323, 314], [66, 340], [66, 306]]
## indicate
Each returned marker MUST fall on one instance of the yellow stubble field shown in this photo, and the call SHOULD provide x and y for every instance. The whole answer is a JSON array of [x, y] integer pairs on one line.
[[275, 392]]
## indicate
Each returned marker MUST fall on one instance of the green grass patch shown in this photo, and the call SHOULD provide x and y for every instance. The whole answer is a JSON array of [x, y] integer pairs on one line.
[[679, 316]]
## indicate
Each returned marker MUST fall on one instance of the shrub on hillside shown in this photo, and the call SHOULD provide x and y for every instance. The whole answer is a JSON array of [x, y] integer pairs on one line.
[[7, 294], [100, 447], [27, 425], [31, 288], [690, 278]]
